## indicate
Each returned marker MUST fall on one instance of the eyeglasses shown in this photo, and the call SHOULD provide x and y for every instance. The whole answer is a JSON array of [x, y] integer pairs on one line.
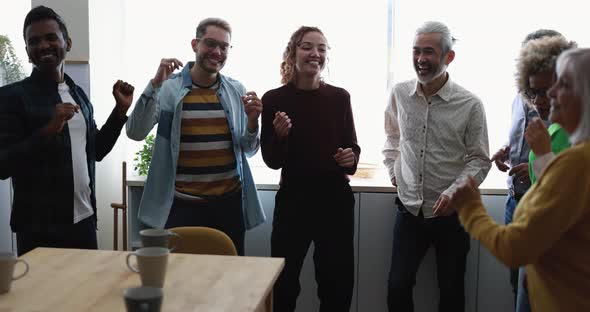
[[532, 94], [212, 44], [308, 46]]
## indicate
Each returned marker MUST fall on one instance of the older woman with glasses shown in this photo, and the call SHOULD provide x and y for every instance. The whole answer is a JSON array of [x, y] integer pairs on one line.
[[550, 233], [308, 132], [536, 74]]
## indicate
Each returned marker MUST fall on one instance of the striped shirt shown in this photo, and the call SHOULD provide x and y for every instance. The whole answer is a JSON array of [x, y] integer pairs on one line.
[[434, 143], [206, 161]]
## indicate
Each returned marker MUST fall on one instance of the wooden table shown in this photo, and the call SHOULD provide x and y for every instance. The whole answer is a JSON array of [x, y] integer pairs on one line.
[[94, 280]]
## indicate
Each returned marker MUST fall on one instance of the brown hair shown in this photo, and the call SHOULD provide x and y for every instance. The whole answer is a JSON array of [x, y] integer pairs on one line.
[[212, 21], [288, 64], [539, 55]]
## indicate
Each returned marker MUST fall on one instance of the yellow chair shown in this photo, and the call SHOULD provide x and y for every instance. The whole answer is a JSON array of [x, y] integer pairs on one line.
[[203, 240]]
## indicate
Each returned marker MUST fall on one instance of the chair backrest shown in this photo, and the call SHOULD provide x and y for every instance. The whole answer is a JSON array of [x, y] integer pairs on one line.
[[123, 207], [203, 240]]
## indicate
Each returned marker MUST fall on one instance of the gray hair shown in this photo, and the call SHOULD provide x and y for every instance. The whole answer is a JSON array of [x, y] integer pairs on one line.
[[446, 39], [212, 21], [579, 59]]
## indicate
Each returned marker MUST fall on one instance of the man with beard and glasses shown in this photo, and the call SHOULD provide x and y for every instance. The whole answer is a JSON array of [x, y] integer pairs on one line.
[[49, 142], [207, 127], [436, 136]]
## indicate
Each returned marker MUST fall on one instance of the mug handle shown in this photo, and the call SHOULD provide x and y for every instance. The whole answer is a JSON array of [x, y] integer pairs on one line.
[[132, 268], [25, 272], [178, 238]]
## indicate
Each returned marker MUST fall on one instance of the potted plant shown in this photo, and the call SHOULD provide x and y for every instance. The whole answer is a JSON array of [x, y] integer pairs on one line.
[[11, 69], [143, 157]]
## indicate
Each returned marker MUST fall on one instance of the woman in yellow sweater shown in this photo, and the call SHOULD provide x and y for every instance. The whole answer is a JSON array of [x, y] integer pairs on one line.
[[550, 233]]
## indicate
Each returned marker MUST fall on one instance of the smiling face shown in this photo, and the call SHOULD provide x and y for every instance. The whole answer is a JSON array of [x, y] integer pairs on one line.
[[429, 60], [310, 56], [211, 49], [45, 45], [566, 104]]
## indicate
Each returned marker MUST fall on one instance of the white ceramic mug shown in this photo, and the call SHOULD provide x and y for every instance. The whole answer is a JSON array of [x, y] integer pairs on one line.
[[7, 263], [151, 265], [158, 238]]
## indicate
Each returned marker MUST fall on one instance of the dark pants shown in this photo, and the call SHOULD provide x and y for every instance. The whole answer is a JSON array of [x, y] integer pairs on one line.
[[322, 213], [81, 235], [224, 214], [412, 236]]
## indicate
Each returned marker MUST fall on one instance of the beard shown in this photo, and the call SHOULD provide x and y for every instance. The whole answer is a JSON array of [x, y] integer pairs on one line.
[[430, 76], [201, 62]]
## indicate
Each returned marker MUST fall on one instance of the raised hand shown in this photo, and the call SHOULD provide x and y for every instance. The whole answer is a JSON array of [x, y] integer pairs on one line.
[[344, 157], [282, 124], [537, 136], [123, 94], [166, 68], [465, 193], [63, 112], [499, 158], [253, 109]]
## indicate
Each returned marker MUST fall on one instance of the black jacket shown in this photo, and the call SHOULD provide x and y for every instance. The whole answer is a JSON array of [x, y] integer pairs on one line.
[[41, 168]]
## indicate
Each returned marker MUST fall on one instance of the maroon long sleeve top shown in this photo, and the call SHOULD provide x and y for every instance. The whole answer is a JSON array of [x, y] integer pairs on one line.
[[321, 121]]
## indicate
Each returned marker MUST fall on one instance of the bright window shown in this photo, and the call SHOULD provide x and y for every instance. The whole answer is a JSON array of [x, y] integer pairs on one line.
[[371, 45]]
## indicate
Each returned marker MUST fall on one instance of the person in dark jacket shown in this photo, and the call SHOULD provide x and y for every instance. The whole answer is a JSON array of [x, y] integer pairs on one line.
[[49, 142]]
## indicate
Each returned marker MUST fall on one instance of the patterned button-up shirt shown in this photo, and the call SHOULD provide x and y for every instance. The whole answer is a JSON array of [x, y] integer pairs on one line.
[[434, 143]]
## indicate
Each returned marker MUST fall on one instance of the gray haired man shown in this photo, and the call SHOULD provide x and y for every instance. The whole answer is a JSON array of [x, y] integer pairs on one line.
[[436, 136]]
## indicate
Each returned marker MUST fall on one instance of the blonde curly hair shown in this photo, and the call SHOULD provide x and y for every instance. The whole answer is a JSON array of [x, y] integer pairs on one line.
[[539, 55], [288, 64]]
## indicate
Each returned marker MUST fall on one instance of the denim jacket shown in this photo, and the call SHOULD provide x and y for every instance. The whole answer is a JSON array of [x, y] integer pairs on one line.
[[163, 106]]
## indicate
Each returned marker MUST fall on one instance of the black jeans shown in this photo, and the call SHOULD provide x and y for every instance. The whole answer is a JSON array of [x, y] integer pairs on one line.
[[224, 214], [412, 236], [322, 213], [81, 235]]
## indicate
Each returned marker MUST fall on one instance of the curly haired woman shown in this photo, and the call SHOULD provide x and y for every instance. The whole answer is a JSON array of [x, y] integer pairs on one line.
[[308, 132]]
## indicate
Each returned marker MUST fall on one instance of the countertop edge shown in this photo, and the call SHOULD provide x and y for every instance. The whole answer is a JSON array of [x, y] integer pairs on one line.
[[140, 181]]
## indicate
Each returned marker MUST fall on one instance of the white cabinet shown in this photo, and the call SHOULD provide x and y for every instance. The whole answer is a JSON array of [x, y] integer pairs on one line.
[[494, 292], [377, 217], [487, 286]]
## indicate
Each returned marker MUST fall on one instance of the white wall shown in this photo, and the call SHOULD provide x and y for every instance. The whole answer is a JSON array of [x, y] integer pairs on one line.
[[75, 14], [5, 207], [106, 46]]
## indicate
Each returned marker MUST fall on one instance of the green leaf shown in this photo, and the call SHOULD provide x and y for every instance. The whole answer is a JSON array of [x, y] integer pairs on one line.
[[144, 155]]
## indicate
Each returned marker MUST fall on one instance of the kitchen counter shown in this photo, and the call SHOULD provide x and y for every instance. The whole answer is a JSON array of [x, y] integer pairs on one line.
[[366, 180]]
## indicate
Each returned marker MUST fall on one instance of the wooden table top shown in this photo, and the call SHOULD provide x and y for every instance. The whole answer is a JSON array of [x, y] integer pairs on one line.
[[94, 280]]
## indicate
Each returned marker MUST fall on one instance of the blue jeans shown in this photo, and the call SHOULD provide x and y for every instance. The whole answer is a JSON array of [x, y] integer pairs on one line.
[[522, 301], [412, 236], [511, 204]]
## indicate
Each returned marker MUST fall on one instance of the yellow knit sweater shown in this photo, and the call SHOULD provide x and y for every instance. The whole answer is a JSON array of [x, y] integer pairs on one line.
[[550, 233]]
